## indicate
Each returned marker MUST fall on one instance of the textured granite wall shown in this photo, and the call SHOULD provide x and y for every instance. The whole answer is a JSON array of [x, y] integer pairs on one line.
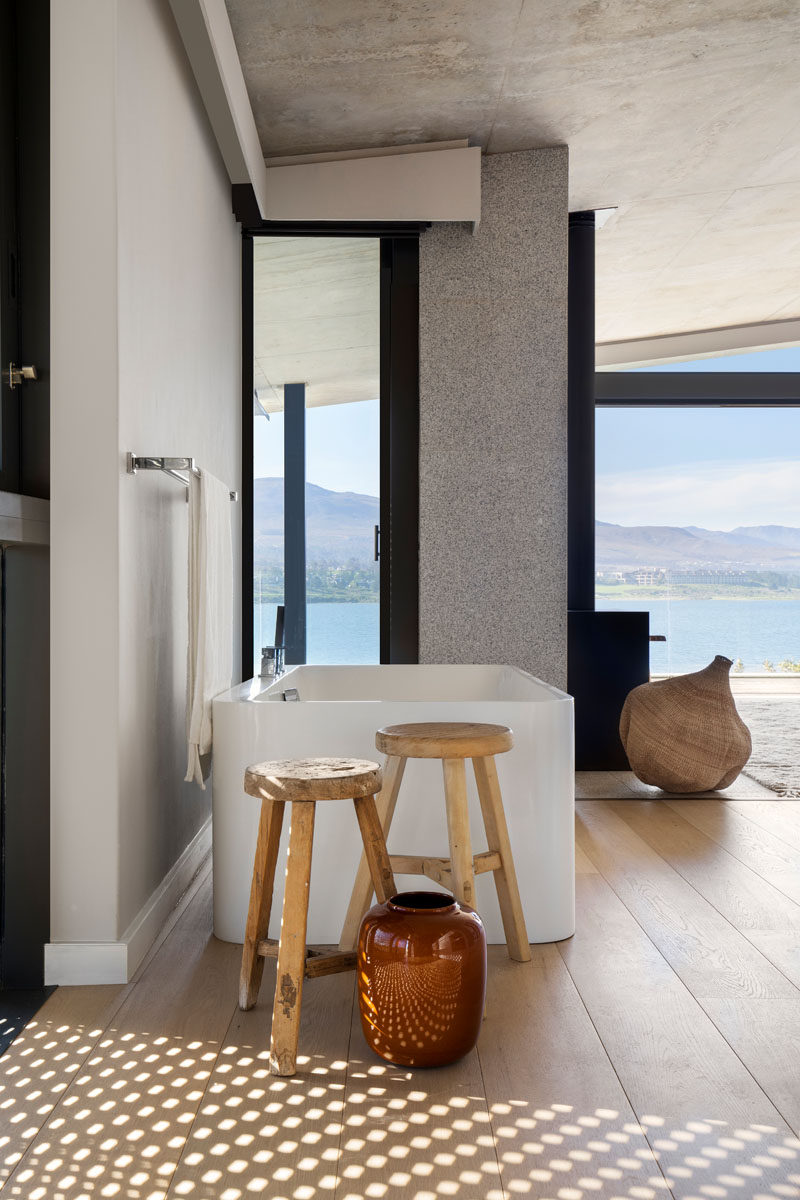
[[493, 424]]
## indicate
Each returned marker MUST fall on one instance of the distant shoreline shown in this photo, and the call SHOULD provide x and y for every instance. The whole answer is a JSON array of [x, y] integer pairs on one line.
[[366, 598], [743, 595]]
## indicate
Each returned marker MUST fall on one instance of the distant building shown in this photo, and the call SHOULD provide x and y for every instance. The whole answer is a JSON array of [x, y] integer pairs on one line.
[[663, 576]]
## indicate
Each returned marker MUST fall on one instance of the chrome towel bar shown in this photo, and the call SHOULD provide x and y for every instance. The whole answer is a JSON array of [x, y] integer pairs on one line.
[[169, 466]]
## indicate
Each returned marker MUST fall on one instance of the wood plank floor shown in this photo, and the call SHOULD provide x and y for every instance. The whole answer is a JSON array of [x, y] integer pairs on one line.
[[655, 1054]]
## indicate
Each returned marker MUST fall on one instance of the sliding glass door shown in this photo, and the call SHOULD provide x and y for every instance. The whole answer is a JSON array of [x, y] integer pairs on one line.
[[316, 446], [334, 415]]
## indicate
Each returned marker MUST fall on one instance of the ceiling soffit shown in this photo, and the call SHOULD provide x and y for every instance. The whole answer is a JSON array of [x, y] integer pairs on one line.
[[316, 319], [684, 116]]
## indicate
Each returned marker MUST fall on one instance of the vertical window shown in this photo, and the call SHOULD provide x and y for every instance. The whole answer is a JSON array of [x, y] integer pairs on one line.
[[316, 445]]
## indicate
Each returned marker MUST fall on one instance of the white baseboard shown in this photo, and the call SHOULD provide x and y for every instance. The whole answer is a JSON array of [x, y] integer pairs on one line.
[[116, 962], [85, 962]]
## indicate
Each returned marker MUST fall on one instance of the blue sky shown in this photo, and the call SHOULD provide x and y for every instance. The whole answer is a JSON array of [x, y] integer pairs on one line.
[[717, 467], [655, 438], [785, 358], [342, 446]]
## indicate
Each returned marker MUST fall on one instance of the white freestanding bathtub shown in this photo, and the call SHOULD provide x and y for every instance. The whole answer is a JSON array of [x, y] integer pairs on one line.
[[338, 712]]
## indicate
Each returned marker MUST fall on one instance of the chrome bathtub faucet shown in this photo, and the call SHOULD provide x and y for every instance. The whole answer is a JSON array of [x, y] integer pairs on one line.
[[272, 662]]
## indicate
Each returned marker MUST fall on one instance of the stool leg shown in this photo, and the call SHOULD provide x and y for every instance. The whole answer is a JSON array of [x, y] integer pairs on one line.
[[375, 848], [363, 889], [455, 793], [292, 944], [505, 877], [269, 836]]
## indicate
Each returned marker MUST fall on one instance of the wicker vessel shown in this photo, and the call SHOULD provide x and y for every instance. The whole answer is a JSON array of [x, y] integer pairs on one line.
[[684, 734]]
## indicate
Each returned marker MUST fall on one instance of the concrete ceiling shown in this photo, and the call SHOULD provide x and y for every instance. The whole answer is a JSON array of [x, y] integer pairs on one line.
[[316, 319], [685, 114]]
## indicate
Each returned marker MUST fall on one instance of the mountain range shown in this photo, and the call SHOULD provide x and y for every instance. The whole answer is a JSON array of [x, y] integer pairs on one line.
[[687, 548], [340, 526], [340, 529]]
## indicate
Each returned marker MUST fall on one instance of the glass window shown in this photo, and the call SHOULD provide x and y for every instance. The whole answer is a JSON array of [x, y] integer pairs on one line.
[[342, 510], [316, 321], [698, 522]]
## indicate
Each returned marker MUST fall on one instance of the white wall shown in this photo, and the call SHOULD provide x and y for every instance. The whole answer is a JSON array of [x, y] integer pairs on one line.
[[84, 474], [179, 393], [146, 357]]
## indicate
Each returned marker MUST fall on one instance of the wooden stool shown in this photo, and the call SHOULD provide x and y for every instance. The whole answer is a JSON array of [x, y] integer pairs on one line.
[[302, 782], [452, 742]]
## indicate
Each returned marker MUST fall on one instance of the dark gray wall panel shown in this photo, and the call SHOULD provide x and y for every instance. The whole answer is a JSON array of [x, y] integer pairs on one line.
[[26, 776]]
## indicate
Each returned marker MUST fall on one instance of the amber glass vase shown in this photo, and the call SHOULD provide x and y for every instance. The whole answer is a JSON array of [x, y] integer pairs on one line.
[[421, 978]]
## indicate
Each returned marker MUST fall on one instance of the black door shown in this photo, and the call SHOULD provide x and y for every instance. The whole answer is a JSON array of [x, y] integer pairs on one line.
[[9, 263], [24, 469]]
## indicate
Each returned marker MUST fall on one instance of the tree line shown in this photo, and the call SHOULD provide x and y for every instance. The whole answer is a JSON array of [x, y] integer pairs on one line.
[[353, 582]]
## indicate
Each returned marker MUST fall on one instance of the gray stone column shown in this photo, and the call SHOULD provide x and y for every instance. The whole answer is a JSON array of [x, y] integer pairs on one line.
[[493, 424]]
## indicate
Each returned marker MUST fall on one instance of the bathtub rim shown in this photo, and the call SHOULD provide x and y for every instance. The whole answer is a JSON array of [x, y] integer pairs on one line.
[[257, 690]]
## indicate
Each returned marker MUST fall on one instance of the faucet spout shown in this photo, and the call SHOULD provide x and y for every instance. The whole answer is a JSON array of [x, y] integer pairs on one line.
[[272, 662]]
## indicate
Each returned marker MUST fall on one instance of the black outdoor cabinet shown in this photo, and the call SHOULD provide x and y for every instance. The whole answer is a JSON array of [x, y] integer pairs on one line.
[[608, 655]]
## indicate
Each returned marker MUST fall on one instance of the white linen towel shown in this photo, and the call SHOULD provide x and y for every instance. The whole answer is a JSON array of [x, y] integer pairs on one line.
[[210, 658]]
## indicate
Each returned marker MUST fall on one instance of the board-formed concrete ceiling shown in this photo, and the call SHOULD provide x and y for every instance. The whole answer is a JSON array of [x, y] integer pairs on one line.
[[684, 114], [316, 319]]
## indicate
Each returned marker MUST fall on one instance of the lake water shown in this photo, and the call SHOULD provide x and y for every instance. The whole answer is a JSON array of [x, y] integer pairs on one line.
[[335, 633], [696, 630]]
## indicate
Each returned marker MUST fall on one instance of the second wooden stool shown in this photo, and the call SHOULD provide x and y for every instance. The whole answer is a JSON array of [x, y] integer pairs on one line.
[[452, 742], [303, 783]]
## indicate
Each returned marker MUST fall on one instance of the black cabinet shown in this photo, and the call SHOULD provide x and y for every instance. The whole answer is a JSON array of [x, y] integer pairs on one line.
[[608, 654]]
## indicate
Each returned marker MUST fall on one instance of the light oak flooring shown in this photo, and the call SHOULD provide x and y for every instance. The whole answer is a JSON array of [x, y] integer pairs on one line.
[[655, 1054]]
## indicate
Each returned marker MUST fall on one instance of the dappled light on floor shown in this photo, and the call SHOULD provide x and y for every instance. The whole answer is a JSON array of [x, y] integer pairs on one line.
[[145, 1117], [119, 1129], [34, 1075], [258, 1134], [557, 1152], [598, 1075]]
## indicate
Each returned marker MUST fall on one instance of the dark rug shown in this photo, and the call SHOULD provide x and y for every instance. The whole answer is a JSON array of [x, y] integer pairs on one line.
[[774, 724]]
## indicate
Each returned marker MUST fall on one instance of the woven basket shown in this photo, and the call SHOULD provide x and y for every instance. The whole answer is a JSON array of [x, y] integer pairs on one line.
[[684, 734]]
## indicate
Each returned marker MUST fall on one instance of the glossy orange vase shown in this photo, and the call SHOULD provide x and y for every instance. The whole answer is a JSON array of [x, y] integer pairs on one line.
[[421, 978]]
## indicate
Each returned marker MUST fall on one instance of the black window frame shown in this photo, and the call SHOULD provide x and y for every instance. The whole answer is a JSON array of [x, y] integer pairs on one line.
[[697, 389]]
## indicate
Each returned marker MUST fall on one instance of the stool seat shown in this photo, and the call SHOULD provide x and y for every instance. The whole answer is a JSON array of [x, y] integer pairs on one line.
[[444, 739], [313, 779]]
